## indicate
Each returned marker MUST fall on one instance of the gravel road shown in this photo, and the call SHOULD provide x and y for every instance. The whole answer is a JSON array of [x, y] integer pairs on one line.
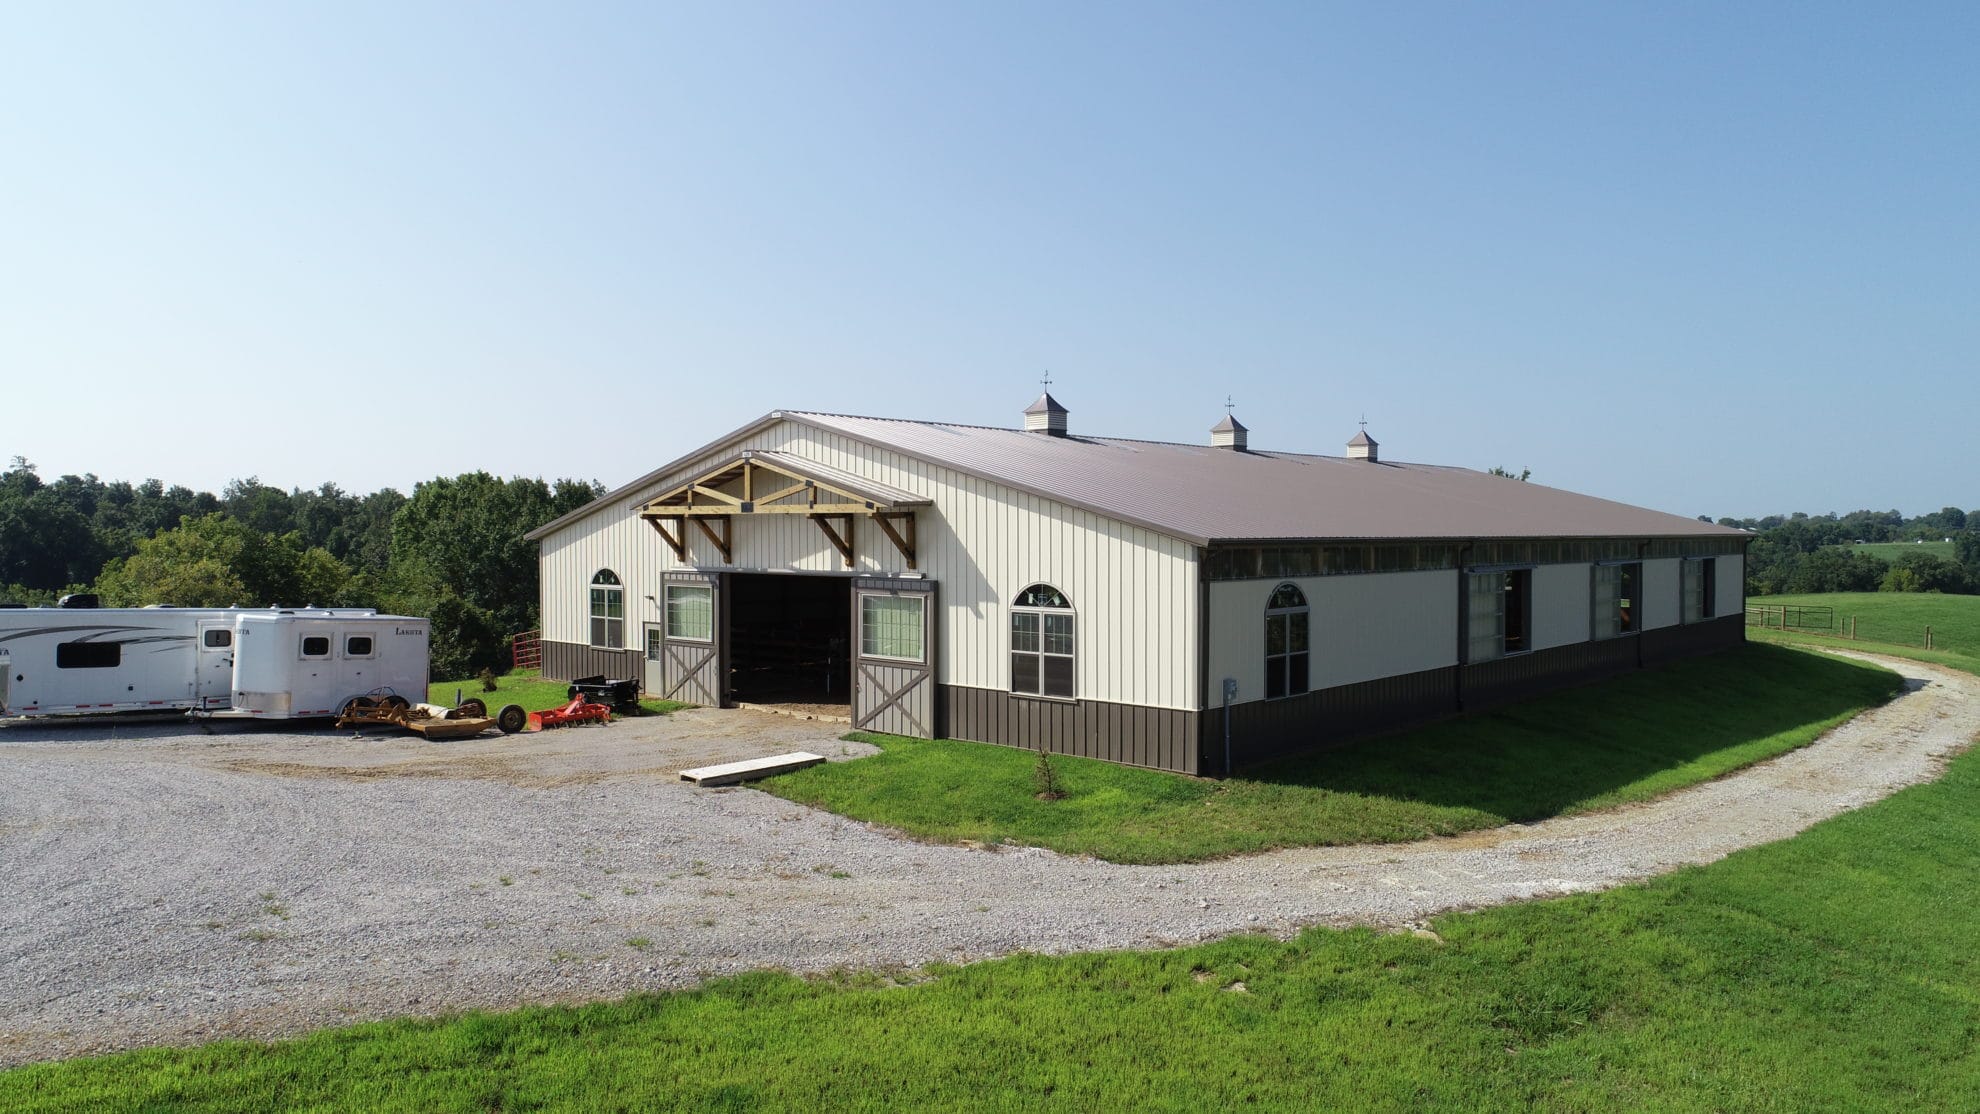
[[165, 885]]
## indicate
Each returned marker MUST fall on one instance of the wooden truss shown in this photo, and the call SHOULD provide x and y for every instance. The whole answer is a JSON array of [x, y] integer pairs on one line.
[[752, 484]]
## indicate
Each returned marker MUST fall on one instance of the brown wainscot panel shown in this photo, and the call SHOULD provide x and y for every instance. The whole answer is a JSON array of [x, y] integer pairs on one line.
[[1524, 675], [567, 661], [1160, 738], [1261, 729], [1684, 640]]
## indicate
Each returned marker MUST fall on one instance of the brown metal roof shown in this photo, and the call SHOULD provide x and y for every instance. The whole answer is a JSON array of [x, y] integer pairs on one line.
[[1203, 494]]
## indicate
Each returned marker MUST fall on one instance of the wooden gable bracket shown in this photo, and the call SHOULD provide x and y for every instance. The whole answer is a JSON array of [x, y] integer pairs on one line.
[[902, 538], [676, 541], [842, 543], [721, 542]]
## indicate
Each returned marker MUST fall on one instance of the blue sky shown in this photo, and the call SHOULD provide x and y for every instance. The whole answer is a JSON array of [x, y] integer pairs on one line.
[[1707, 258]]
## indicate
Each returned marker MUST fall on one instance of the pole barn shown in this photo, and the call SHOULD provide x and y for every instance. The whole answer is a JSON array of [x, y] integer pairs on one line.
[[1183, 607]]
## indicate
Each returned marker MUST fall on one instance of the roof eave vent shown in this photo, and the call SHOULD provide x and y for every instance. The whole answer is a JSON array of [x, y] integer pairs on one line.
[[1045, 416], [1229, 434]]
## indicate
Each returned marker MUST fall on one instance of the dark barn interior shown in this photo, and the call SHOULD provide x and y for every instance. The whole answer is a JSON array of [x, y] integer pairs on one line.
[[790, 639]]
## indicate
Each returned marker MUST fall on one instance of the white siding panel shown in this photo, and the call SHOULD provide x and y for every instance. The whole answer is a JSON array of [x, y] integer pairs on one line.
[[1730, 582], [1562, 596], [1133, 590], [1661, 593], [1363, 627]]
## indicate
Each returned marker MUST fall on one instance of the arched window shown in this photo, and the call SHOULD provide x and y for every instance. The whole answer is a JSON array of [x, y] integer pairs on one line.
[[608, 611], [1042, 643], [1285, 642]]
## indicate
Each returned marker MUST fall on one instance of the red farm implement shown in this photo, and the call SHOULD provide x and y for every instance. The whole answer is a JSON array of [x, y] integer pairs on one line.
[[579, 710]]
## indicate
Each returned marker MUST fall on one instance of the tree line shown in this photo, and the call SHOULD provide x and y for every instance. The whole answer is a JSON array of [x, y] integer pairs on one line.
[[1800, 553], [452, 551]]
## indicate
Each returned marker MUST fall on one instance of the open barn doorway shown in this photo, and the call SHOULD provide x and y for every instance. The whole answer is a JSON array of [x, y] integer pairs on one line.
[[790, 641]]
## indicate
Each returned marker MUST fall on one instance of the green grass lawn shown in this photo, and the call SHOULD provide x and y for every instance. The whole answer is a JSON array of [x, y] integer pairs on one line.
[[528, 688], [1626, 739], [1834, 971], [1891, 622], [1889, 551]]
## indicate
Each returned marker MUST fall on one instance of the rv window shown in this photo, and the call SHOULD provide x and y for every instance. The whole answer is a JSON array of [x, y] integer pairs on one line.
[[357, 646], [316, 646], [217, 639], [88, 655]]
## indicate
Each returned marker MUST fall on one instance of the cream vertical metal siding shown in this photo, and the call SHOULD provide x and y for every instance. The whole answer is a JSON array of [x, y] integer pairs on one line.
[[1661, 602], [1729, 587], [1362, 628], [1133, 590], [1562, 595]]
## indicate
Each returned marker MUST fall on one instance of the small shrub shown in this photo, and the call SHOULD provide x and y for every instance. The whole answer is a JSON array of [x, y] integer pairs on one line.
[[487, 679], [1045, 777]]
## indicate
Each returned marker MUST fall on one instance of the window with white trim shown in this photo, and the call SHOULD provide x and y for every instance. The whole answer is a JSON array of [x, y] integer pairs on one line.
[[691, 612], [653, 643], [891, 626], [608, 611], [1615, 602], [1286, 652], [1042, 643]]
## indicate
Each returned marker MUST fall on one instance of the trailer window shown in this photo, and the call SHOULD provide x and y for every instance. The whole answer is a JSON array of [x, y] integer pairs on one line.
[[357, 646], [88, 655], [316, 646], [217, 639]]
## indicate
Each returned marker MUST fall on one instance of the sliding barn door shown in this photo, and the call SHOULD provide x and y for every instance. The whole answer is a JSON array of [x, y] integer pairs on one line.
[[894, 657], [692, 668]]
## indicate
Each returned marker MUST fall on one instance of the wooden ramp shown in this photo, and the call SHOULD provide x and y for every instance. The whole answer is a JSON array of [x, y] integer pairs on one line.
[[730, 773]]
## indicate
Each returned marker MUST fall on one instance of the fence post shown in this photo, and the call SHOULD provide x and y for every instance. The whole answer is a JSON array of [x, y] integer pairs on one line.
[[1928, 638]]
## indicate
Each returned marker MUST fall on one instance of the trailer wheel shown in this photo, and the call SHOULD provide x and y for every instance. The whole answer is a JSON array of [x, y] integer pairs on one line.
[[511, 719], [471, 708], [397, 701]]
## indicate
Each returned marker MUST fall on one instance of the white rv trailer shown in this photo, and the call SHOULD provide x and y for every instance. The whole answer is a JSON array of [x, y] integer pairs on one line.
[[261, 663]]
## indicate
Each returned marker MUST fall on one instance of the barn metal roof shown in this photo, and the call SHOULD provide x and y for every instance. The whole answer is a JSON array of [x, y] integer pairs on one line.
[[1202, 494]]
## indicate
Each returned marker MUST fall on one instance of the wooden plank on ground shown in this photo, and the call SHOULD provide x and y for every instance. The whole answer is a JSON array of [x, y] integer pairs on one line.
[[729, 773]]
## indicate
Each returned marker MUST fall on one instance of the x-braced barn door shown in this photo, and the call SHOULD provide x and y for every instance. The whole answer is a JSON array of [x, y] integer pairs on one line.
[[894, 657], [691, 665]]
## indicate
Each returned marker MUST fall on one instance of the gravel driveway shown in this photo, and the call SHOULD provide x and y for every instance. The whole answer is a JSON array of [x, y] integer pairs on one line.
[[165, 885]]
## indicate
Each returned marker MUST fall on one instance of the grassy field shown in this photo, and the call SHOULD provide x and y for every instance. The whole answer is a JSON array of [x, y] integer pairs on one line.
[[1833, 971], [1891, 622], [1592, 747], [1889, 551], [527, 688]]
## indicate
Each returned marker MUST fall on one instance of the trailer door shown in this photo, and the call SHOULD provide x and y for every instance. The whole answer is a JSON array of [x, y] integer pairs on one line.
[[693, 625], [213, 676]]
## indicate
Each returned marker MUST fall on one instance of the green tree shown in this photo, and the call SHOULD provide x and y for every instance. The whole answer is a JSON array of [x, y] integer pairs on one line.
[[459, 558], [219, 561], [1495, 470], [1925, 572], [1835, 570], [45, 543]]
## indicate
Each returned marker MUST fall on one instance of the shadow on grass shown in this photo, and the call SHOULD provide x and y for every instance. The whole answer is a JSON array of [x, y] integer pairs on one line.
[[1645, 732]]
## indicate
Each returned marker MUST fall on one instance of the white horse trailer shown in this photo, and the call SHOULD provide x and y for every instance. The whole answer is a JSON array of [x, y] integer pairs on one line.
[[265, 663], [291, 665]]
